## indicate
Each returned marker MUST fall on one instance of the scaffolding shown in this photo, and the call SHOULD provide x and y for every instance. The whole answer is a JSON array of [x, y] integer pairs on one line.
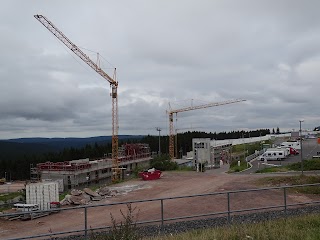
[[35, 175], [84, 171]]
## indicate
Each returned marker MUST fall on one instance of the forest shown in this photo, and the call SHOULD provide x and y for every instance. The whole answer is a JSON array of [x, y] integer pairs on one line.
[[16, 158]]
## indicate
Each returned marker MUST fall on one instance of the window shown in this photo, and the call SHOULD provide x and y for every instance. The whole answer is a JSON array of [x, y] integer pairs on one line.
[[198, 145], [280, 154]]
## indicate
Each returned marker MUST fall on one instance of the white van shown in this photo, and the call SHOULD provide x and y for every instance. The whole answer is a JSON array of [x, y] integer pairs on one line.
[[293, 144], [274, 154]]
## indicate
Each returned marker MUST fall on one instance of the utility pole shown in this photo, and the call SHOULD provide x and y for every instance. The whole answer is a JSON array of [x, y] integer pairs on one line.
[[300, 121], [244, 145], [159, 130]]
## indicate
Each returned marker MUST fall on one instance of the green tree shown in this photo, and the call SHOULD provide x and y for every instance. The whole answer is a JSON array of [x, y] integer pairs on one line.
[[163, 163]]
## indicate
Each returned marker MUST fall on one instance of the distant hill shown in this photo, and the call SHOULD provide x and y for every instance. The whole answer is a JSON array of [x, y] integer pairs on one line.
[[12, 150], [21, 146]]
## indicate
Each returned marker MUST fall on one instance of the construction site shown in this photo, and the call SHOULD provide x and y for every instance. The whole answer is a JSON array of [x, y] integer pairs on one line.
[[115, 166], [80, 155], [75, 173], [85, 170]]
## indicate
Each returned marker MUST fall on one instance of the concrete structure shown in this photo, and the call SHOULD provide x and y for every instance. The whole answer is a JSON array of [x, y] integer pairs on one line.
[[85, 171], [184, 162], [210, 152], [42, 194], [59, 181]]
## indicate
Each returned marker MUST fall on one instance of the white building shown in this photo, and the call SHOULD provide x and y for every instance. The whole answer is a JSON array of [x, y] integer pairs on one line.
[[210, 152]]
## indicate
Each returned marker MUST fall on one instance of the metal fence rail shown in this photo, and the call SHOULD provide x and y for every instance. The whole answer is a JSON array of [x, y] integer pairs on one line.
[[162, 219]]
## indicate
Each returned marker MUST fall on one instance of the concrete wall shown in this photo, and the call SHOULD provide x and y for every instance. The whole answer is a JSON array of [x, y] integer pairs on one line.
[[42, 194]]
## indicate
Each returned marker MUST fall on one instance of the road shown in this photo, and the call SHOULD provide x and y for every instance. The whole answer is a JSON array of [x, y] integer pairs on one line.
[[310, 147], [12, 187]]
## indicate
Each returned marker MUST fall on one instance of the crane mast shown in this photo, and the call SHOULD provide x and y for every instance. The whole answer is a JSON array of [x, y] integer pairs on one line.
[[176, 111], [113, 83]]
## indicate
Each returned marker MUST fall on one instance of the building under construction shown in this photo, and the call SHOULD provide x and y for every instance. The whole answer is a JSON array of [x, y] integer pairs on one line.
[[85, 171]]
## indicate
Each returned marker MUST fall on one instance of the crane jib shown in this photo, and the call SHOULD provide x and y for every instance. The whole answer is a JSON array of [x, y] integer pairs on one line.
[[115, 121]]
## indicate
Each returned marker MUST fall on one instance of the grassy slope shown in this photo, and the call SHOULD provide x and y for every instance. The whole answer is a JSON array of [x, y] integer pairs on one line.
[[306, 227], [308, 165]]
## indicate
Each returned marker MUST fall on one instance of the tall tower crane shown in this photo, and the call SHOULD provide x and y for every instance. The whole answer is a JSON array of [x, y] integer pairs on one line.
[[113, 83], [176, 111]]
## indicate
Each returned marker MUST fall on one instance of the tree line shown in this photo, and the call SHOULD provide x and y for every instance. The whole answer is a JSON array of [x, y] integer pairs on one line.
[[17, 166]]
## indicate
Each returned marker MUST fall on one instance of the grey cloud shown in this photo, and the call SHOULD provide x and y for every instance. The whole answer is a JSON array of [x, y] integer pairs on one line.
[[263, 51]]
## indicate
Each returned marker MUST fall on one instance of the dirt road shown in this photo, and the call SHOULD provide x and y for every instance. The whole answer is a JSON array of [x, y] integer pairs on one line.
[[11, 187], [170, 185]]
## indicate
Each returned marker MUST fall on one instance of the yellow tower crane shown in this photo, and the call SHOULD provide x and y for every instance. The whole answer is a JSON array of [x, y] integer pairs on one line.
[[176, 111], [113, 83]]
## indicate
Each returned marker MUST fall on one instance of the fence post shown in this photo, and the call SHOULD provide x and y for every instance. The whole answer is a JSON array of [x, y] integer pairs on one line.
[[85, 223], [229, 217], [285, 200], [162, 219]]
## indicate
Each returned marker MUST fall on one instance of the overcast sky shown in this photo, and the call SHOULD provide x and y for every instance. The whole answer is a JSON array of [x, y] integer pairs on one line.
[[267, 52]]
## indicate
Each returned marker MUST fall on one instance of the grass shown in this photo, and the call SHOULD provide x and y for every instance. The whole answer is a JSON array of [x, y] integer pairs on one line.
[[8, 196], [4, 208], [250, 147], [63, 195], [308, 165], [305, 227], [289, 180], [185, 168], [235, 168], [273, 169], [126, 229], [293, 180]]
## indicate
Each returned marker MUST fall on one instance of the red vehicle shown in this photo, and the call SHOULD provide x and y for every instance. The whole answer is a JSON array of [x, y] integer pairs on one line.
[[151, 174], [293, 151]]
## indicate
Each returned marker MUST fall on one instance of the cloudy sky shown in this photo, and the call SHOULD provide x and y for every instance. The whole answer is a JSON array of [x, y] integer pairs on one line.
[[183, 52]]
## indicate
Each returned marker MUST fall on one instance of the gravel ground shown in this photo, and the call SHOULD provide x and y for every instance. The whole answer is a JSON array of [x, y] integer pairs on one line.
[[183, 226]]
